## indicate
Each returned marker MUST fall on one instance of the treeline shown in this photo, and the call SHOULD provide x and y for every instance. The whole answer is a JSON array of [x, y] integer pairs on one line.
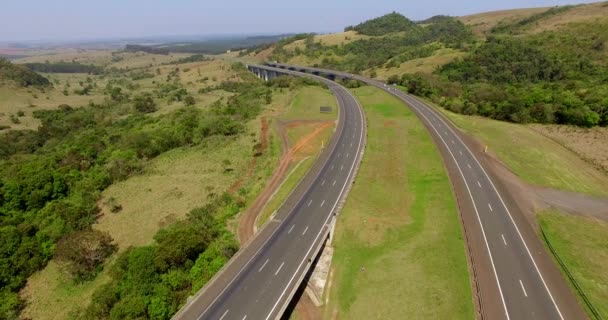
[[551, 77], [147, 49], [51, 179], [64, 67], [21, 75]]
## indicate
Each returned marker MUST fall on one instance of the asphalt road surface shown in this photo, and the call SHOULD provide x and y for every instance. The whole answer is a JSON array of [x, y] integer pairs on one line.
[[521, 281], [259, 282]]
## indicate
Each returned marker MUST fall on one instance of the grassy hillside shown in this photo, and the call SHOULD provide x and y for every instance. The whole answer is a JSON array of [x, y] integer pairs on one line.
[[20, 75]]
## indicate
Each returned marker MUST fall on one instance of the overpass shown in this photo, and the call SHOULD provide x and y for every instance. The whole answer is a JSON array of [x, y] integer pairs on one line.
[[261, 279], [513, 276]]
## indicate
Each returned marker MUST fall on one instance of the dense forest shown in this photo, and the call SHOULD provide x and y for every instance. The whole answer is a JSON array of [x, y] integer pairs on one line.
[[20, 75]]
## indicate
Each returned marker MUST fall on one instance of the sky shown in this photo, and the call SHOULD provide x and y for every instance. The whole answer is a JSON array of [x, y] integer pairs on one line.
[[84, 19]]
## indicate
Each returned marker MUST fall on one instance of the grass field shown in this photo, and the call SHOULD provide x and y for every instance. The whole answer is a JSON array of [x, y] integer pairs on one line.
[[582, 244], [533, 157], [399, 252]]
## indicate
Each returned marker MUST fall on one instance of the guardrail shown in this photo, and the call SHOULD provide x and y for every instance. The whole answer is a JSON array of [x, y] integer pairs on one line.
[[575, 283]]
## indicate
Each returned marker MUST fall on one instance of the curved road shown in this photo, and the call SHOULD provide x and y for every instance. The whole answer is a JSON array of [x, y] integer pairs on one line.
[[518, 278], [261, 279]]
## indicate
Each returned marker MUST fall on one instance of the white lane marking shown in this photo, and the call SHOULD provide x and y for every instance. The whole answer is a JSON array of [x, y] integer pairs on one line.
[[469, 165], [490, 206], [333, 184], [453, 142], [460, 151], [445, 133], [323, 183], [245, 317], [262, 267], [352, 167], [510, 217], [503, 239], [483, 232], [223, 315], [522, 288], [322, 203], [341, 168], [279, 269], [348, 154], [479, 184], [332, 168], [339, 155], [303, 233], [288, 232], [309, 202]]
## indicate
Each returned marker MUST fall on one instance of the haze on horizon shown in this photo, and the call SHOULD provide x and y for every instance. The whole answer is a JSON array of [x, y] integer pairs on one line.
[[29, 20]]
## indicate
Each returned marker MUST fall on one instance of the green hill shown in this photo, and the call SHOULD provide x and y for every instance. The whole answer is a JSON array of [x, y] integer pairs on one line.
[[20, 75], [392, 22]]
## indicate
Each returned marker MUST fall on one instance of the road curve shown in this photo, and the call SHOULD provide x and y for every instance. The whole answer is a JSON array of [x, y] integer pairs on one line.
[[261, 279], [518, 279]]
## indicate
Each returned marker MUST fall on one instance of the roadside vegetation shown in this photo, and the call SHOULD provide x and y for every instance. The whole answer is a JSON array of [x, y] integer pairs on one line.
[[535, 158], [399, 251], [580, 243]]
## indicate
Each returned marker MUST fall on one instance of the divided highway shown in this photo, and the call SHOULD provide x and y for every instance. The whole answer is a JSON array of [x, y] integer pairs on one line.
[[261, 279], [518, 279]]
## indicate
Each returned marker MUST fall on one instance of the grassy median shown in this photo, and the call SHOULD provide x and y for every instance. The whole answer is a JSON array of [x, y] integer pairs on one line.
[[399, 251]]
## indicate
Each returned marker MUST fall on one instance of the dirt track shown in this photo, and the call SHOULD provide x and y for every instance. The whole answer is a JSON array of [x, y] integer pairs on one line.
[[247, 220]]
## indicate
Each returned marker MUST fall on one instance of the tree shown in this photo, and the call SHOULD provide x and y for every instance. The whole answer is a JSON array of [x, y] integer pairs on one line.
[[189, 100], [84, 251], [144, 103]]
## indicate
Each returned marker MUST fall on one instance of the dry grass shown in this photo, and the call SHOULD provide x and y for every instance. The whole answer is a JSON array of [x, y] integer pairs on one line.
[[585, 13], [481, 23], [422, 65], [330, 39], [15, 99], [589, 144]]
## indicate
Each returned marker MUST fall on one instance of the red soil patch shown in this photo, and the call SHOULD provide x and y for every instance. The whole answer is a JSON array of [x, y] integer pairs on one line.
[[247, 221]]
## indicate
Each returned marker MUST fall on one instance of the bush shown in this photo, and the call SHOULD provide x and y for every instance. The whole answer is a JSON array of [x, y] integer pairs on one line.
[[144, 103], [83, 252]]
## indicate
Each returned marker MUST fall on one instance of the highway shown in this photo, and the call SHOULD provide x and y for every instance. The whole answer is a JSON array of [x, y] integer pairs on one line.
[[261, 279], [518, 279]]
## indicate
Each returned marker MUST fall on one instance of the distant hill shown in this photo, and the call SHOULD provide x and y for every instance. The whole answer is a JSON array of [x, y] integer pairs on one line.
[[545, 65], [389, 23], [20, 75]]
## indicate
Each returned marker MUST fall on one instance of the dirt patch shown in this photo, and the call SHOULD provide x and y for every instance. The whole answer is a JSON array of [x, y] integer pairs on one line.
[[589, 144], [389, 123], [247, 221]]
